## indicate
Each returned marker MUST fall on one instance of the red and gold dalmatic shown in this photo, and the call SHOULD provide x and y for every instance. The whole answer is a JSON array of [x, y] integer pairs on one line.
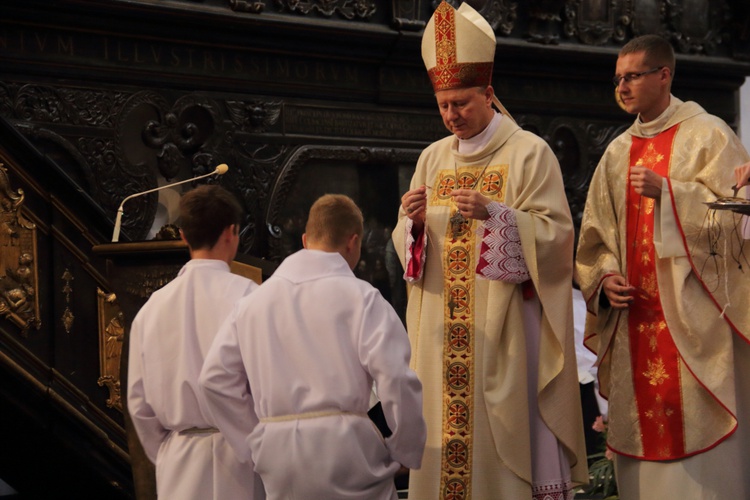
[[654, 355]]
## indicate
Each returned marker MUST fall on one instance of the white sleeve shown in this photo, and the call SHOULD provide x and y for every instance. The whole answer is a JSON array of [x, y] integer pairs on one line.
[[384, 352], [224, 383], [667, 238], [745, 219], [148, 427]]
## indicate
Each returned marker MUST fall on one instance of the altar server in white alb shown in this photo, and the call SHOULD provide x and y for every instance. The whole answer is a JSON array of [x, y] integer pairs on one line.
[[169, 339], [302, 354]]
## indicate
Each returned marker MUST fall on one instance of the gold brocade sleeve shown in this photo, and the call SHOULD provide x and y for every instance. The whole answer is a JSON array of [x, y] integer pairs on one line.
[[600, 252], [712, 239]]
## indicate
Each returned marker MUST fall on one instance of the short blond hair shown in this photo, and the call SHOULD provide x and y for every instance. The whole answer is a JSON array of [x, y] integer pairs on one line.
[[333, 219]]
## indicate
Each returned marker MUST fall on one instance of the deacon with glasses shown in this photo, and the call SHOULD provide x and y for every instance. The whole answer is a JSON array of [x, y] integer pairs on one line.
[[486, 238], [667, 302]]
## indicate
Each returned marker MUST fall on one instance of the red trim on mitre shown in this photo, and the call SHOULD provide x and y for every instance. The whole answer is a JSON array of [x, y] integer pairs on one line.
[[460, 75], [448, 73]]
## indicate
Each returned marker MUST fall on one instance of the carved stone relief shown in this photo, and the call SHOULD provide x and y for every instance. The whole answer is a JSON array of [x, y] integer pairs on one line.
[[111, 336], [19, 282]]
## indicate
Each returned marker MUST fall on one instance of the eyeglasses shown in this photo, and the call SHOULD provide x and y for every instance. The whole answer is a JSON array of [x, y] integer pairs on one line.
[[630, 77]]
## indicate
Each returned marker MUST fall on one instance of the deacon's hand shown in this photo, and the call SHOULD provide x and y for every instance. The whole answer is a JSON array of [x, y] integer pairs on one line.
[[742, 175], [414, 203], [646, 182], [471, 204], [618, 291]]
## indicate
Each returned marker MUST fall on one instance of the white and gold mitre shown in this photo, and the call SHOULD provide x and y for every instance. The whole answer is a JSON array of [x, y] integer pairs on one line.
[[458, 48]]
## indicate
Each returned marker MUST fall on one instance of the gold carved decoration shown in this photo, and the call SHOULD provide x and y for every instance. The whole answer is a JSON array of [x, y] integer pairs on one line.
[[67, 317], [111, 336], [19, 282]]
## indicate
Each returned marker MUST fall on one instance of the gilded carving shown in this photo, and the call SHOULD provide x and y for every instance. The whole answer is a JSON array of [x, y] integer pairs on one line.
[[68, 317], [19, 300], [111, 336]]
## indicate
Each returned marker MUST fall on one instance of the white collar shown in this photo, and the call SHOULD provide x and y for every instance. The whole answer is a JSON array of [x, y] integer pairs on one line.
[[474, 144]]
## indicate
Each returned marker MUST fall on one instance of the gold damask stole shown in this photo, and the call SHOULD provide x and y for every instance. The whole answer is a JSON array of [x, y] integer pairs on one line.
[[19, 281], [111, 337], [459, 279]]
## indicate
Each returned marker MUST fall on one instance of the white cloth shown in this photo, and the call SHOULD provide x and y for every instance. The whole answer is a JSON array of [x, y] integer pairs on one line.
[[745, 224], [585, 357], [169, 338], [304, 351]]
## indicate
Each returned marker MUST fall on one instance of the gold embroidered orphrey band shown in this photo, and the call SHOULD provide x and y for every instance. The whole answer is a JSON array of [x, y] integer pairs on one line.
[[458, 309]]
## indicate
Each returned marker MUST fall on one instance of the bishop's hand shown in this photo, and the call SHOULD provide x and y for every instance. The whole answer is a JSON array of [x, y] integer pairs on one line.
[[471, 204], [414, 204]]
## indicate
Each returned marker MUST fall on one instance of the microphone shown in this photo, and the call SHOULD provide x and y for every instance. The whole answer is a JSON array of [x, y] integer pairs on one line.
[[220, 170]]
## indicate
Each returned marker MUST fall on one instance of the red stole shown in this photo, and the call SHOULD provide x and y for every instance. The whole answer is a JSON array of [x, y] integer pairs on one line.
[[654, 356]]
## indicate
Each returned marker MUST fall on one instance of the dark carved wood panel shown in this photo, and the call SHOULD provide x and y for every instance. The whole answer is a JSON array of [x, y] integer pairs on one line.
[[104, 99]]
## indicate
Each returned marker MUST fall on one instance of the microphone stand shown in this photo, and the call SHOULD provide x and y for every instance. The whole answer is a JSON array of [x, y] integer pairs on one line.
[[221, 169]]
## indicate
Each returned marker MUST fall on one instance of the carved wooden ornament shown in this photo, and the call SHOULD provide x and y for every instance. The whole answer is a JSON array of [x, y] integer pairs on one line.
[[19, 283], [111, 337]]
